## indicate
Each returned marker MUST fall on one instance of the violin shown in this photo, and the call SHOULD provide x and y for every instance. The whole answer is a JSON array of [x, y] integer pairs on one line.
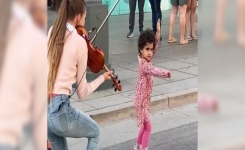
[[96, 58]]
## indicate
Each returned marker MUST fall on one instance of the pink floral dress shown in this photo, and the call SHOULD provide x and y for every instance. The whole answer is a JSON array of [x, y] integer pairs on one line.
[[144, 87]]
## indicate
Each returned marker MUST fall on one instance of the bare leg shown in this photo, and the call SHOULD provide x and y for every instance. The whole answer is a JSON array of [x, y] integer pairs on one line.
[[187, 33], [182, 23], [219, 24], [193, 18], [241, 22], [172, 21]]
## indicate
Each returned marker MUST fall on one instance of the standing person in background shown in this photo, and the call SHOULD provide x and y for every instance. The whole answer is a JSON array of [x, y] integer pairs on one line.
[[220, 34], [182, 5], [191, 18], [132, 7], [156, 13]]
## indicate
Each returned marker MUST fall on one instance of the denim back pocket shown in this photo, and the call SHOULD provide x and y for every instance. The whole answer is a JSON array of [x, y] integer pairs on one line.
[[60, 120]]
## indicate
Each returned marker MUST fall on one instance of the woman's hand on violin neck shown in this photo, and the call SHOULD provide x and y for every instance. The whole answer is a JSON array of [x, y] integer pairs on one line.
[[107, 75]]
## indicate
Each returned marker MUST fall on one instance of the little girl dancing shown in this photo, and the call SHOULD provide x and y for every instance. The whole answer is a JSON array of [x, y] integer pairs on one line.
[[148, 44]]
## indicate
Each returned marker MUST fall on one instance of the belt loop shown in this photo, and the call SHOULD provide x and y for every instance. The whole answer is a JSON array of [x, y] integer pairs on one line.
[[63, 97], [51, 102], [50, 97]]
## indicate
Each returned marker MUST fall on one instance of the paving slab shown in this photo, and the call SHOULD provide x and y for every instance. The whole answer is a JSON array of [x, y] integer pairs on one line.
[[81, 105], [117, 68], [191, 70], [96, 94], [191, 60], [131, 94], [177, 75], [126, 74], [189, 83], [156, 81], [174, 65], [168, 87], [104, 101]]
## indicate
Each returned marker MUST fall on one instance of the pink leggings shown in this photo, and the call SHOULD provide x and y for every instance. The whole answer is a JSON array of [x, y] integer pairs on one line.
[[144, 134]]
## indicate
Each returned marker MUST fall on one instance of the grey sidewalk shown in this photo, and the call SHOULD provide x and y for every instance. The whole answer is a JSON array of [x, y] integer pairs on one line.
[[182, 61], [118, 134]]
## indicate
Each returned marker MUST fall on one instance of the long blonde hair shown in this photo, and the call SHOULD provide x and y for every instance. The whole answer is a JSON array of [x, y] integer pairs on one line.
[[68, 10]]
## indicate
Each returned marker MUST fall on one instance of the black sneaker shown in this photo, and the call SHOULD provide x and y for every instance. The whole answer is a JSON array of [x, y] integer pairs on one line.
[[130, 34]]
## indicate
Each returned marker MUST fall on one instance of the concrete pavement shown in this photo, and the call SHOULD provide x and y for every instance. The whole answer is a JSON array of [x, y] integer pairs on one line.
[[106, 106], [173, 127], [180, 138]]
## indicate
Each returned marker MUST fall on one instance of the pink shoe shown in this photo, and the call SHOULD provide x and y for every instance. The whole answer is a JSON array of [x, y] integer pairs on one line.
[[136, 146], [207, 103]]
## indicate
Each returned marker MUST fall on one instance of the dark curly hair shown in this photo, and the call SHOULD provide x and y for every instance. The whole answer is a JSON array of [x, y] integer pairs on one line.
[[147, 36]]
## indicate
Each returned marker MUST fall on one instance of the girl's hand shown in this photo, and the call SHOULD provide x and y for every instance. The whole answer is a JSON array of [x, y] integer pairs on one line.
[[158, 33], [107, 75], [159, 25], [167, 74]]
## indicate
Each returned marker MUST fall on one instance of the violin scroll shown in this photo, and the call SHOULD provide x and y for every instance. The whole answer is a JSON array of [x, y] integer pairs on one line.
[[82, 31], [116, 82]]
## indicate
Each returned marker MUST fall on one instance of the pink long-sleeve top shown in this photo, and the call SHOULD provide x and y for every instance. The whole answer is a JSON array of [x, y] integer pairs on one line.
[[144, 86], [73, 65], [23, 81]]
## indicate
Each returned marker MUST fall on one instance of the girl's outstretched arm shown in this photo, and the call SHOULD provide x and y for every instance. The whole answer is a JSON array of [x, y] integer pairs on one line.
[[156, 44], [158, 36], [149, 69]]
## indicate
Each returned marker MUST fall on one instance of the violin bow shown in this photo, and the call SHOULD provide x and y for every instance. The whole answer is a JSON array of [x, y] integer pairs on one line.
[[102, 24]]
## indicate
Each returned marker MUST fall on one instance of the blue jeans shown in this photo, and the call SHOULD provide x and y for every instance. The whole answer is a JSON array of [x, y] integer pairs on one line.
[[66, 121], [156, 12], [7, 147]]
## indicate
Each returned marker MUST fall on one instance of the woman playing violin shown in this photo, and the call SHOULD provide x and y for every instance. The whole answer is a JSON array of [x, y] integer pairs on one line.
[[67, 57]]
